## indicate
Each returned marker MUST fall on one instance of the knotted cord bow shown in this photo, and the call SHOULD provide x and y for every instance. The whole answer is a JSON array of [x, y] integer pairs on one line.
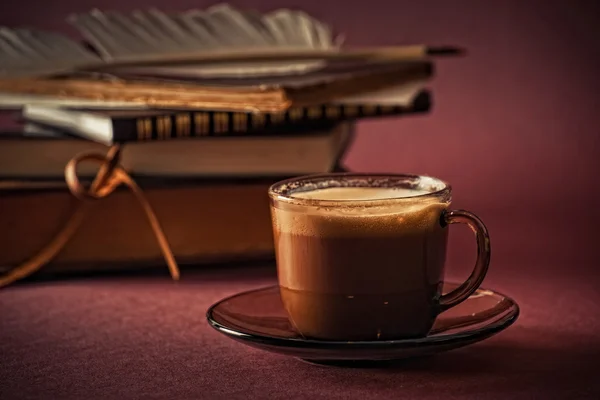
[[110, 176]]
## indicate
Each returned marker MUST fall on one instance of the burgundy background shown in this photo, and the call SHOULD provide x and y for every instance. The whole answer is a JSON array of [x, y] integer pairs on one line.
[[516, 131]]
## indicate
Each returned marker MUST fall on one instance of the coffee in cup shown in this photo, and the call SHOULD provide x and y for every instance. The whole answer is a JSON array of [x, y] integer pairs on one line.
[[361, 257]]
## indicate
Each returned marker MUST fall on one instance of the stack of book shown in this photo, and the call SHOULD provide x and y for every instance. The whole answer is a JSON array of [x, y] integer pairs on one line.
[[209, 107]]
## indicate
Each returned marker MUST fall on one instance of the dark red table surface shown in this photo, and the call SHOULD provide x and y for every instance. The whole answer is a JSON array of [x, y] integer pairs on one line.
[[138, 336]]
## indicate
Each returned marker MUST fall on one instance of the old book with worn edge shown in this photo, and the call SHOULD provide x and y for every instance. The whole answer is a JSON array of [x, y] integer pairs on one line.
[[120, 126], [250, 238]]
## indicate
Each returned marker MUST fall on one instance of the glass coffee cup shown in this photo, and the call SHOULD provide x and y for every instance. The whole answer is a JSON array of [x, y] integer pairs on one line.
[[361, 256]]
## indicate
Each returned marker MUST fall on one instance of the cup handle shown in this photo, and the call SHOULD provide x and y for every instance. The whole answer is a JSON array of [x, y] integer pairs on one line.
[[482, 237]]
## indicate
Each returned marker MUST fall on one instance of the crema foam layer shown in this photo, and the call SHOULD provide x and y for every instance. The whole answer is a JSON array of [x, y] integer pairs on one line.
[[359, 193], [409, 215]]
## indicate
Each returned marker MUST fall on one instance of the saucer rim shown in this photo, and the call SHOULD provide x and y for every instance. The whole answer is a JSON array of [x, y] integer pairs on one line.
[[471, 335]]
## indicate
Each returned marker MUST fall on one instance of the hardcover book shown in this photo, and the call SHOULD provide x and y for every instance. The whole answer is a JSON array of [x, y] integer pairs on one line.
[[122, 126]]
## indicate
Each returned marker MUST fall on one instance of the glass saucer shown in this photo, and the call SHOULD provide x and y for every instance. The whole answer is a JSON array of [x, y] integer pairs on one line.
[[257, 318]]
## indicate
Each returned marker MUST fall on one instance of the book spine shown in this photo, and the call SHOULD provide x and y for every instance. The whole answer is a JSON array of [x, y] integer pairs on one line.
[[215, 123]]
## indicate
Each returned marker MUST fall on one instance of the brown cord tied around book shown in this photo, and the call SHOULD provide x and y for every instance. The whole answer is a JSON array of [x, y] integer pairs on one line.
[[109, 177]]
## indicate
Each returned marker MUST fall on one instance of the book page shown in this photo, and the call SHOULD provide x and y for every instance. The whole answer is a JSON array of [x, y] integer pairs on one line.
[[218, 30]]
